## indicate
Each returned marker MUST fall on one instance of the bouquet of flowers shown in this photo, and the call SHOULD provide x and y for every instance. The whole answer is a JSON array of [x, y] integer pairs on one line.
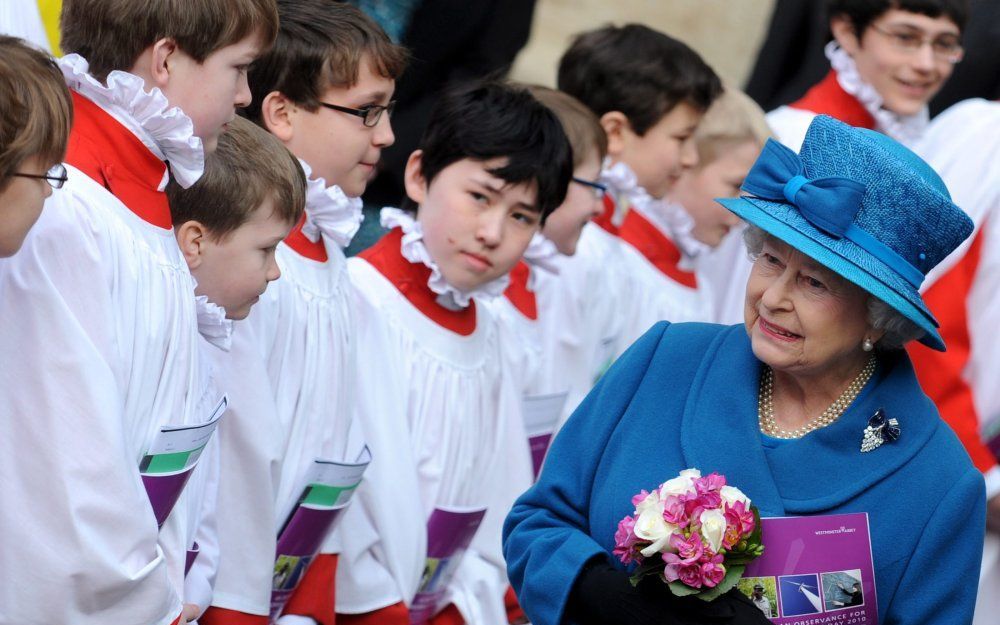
[[697, 533]]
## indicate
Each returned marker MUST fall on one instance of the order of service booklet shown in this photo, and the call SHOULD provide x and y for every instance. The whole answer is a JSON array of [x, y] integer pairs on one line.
[[815, 570]]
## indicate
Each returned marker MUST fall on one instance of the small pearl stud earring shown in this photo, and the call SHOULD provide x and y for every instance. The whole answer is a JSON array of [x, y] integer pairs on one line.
[[867, 345]]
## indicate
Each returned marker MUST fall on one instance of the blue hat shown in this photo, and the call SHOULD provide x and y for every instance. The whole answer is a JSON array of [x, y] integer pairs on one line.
[[862, 205]]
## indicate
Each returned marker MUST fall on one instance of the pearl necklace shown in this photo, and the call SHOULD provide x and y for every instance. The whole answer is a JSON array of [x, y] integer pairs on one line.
[[765, 404]]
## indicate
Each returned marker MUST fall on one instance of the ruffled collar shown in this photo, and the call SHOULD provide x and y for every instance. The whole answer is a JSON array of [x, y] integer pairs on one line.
[[676, 224], [907, 129], [624, 187], [329, 211], [414, 250], [164, 129], [213, 326]]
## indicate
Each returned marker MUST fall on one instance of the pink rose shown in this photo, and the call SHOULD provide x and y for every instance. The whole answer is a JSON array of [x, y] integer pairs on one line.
[[740, 515], [689, 549], [711, 482], [625, 541], [712, 572], [674, 511], [691, 575], [638, 499]]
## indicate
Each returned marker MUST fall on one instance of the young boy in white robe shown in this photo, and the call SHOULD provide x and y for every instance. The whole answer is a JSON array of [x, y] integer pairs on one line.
[[729, 138], [107, 333], [531, 313], [228, 226], [649, 92], [324, 90], [35, 117], [493, 163]]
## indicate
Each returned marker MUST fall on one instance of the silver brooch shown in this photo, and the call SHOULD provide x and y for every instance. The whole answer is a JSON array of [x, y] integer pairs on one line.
[[880, 430]]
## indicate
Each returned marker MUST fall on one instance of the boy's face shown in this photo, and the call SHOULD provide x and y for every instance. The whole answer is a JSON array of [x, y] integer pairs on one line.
[[337, 145], [211, 91], [721, 178], [234, 272], [660, 156], [476, 226], [20, 205], [906, 79], [564, 224]]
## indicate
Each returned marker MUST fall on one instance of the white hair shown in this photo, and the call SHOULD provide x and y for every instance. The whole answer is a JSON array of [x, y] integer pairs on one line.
[[881, 316]]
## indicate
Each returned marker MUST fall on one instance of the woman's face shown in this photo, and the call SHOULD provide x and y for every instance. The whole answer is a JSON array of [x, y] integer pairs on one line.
[[803, 319], [697, 189]]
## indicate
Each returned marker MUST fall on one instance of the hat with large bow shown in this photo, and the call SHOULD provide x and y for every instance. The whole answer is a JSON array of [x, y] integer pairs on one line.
[[862, 205]]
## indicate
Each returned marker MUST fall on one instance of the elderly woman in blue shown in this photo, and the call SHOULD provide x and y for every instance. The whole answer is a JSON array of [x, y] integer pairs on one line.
[[841, 235]]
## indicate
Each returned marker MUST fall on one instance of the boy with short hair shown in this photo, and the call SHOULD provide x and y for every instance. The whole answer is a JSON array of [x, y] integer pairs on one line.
[[888, 59], [649, 92], [35, 117], [102, 298], [325, 91], [228, 225], [492, 165]]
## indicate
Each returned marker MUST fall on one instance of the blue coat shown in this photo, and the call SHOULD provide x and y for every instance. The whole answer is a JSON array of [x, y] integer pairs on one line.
[[685, 395]]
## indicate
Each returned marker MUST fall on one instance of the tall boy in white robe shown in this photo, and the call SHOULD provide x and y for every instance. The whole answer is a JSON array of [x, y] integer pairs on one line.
[[326, 54], [107, 336]]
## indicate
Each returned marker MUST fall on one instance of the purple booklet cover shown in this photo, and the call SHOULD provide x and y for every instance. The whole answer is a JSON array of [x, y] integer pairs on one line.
[[541, 414], [815, 570], [192, 555], [449, 534], [992, 436]]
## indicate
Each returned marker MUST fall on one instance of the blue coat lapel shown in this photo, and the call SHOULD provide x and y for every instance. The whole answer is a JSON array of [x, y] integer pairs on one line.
[[820, 471]]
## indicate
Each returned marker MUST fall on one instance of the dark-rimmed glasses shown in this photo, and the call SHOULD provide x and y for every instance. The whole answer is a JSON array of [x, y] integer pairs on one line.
[[598, 189], [56, 177], [370, 114], [947, 48]]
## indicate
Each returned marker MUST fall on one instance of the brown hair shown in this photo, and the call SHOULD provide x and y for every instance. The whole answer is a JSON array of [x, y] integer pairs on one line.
[[583, 129], [249, 167], [732, 119], [320, 44], [36, 111], [111, 34]]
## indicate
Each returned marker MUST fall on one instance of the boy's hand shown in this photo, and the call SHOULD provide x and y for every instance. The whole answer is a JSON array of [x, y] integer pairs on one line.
[[190, 612]]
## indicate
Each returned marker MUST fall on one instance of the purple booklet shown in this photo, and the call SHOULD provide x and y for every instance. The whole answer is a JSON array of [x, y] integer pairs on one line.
[[449, 534], [172, 457], [541, 414], [815, 570], [192, 555], [992, 437], [327, 489]]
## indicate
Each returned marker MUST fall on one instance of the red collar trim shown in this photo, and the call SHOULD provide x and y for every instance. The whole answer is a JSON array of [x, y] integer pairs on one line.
[[827, 97], [303, 246], [411, 280], [659, 250], [518, 292], [101, 147], [606, 218]]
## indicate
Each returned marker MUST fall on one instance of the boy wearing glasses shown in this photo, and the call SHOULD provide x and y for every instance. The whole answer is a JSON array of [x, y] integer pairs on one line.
[[35, 116], [888, 59], [324, 90]]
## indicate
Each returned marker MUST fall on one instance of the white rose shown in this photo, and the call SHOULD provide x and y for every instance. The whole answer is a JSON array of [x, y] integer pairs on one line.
[[680, 484], [731, 494], [652, 502], [651, 526], [713, 528]]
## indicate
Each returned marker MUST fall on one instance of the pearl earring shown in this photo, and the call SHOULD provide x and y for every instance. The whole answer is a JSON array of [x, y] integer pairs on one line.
[[867, 345]]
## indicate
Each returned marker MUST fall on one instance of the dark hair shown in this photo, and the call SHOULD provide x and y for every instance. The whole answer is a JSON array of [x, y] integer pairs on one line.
[[862, 13], [320, 44], [249, 167], [583, 129], [491, 119], [638, 71], [111, 34]]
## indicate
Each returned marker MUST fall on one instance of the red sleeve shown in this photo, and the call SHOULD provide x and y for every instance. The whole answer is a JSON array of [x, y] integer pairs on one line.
[[315, 596], [514, 612], [222, 616]]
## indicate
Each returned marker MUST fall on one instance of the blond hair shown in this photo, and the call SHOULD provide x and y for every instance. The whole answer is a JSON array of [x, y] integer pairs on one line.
[[583, 129], [732, 119], [249, 167], [111, 34], [36, 110]]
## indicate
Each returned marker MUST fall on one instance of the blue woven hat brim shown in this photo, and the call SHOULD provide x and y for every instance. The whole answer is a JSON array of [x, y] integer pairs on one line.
[[841, 256]]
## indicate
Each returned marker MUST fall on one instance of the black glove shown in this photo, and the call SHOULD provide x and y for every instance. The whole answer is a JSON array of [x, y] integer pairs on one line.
[[603, 595]]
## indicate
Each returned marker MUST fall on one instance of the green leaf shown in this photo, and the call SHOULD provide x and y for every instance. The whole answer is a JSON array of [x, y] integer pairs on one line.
[[733, 575], [681, 590]]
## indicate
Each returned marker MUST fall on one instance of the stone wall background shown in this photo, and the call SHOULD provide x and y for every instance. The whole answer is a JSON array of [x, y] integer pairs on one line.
[[727, 33]]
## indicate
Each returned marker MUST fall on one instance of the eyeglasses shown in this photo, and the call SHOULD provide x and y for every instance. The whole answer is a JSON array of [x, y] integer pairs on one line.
[[946, 48], [597, 188], [371, 114], [56, 176]]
